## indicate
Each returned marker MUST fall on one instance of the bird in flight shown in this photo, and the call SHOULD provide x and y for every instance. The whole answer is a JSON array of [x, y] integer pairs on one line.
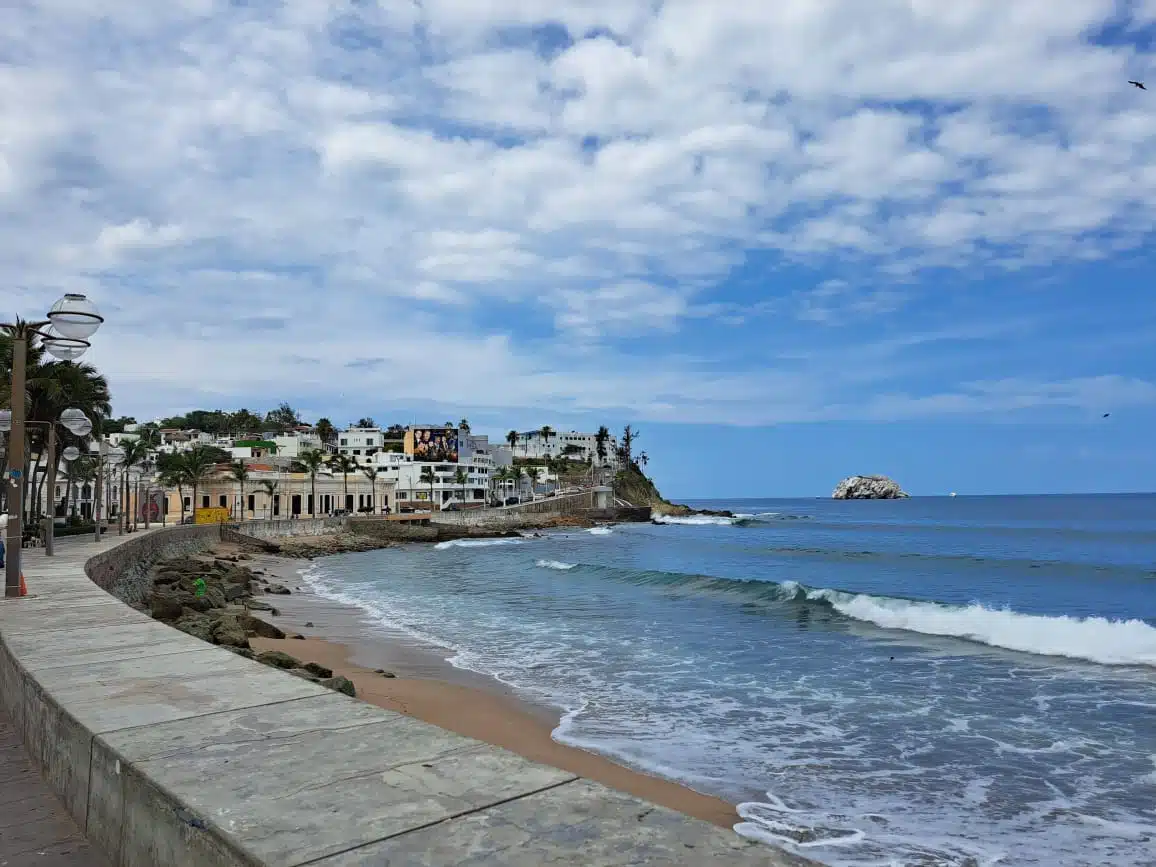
[[1105, 415], [1138, 84]]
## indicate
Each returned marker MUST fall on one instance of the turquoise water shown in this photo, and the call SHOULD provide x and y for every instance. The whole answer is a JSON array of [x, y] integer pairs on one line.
[[930, 681]]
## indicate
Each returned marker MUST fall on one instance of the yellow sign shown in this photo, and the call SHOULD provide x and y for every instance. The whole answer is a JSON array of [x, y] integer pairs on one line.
[[215, 515]]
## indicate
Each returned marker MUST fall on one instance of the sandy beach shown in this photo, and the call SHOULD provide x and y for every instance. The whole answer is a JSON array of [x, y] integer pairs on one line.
[[427, 687]]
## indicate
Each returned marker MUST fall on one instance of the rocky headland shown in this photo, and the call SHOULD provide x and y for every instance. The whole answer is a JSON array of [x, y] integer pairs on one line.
[[633, 486], [868, 488]]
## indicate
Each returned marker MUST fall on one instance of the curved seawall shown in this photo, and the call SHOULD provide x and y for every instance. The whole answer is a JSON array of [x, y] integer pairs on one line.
[[170, 751]]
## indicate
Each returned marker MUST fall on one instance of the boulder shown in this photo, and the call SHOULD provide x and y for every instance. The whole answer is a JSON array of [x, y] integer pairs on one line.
[[230, 631], [278, 589], [165, 608], [261, 629], [277, 659], [197, 625], [319, 670], [341, 684], [868, 488]]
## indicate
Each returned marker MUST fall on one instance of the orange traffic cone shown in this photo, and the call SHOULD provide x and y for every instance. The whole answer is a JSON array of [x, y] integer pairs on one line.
[[23, 586]]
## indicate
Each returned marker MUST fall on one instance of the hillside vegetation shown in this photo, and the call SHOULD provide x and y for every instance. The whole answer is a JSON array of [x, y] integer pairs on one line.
[[633, 486]]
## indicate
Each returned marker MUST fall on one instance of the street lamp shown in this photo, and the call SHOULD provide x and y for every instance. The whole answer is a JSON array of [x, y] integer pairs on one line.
[[77, 423], [73, 319]]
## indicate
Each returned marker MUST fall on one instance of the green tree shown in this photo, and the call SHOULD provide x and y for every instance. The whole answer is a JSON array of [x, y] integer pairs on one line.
[[371, 474], [460, 479], [136, 454], [629, 435], [244, 422], [366, 422], [197, 464], [464, 424], [77, 472], [283, 418], [345, 465], [173, 476], [312, 460], [270, 488], [512, 438], [50, 388], [518, 476], [240, 474], [430, 478], [325, 431], [600, 440]]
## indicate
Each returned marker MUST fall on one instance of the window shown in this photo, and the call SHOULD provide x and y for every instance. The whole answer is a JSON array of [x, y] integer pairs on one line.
[[345, 441], [205, 501], [223, 501], [252, 502], [357, 451], [188, 502]]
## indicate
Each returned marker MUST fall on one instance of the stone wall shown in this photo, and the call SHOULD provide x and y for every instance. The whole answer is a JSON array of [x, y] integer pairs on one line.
[[124, 570], [514, 516], [282, 528]]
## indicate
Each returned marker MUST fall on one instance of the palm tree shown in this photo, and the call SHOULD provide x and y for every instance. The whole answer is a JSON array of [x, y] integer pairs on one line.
[[325, 431], [546, 432], [429, 477], [313, 460], [345, 465], [460, 479], [196, 464], [270, 487], [136, 452], [240, 474], [80, 470], [51, 387], [512, 439], [600, 440], [518, 475], [174, 477], [371, 474]]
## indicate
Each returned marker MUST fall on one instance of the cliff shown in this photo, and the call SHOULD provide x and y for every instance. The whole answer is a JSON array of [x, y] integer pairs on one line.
[[633, 486]]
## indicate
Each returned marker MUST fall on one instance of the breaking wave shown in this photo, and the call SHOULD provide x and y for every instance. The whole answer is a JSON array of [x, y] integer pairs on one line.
[[599, 531], [476, 543], [1091, 639], [739, 520], [555, 564]]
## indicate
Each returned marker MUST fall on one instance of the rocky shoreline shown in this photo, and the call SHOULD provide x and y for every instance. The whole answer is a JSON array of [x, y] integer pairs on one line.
[[213, 596]]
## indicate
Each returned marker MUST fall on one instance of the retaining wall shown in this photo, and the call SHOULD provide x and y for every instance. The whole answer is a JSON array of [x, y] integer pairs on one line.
[[124, 570], [170, 752], [572, 504]]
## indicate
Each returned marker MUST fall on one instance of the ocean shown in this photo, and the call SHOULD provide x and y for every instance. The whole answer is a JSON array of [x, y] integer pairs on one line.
[[933, 681]]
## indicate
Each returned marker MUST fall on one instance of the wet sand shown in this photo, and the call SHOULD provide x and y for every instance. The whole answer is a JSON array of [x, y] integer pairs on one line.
[[429, 688]]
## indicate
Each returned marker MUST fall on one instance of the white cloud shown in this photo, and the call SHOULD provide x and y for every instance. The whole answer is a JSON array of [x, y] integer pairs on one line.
[[457, 180]]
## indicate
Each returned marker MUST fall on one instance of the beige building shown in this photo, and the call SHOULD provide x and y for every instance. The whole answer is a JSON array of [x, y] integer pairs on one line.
[[291, 495]]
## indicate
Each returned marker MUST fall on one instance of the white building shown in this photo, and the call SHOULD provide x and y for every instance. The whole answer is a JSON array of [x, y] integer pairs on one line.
[[361, 443], [567, 444]]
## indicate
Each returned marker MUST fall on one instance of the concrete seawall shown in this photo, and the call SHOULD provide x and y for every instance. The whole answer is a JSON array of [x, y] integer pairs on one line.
[[170, 752]]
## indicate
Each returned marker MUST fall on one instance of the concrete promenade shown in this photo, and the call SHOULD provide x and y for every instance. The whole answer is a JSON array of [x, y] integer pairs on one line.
[[169, 752], [34, 828]]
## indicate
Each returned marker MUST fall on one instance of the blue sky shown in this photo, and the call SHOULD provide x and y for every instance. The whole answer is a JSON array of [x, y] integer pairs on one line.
[[788, 241]]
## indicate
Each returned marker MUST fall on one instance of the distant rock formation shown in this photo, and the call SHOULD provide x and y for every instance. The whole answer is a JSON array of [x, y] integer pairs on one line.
[[868, 488]]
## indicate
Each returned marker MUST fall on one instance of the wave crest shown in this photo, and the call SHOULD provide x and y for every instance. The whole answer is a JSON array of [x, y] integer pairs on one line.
[[1090, 639], [475, 543], [555, 564]]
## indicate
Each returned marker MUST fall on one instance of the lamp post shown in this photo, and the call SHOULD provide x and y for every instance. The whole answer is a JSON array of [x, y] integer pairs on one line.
[[77, 424], [73, 319]]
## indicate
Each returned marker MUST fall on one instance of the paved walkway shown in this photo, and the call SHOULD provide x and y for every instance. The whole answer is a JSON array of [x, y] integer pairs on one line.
[[34, 828]]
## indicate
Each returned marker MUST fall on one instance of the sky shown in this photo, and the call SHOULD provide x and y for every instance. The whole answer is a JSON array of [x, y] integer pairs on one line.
[[787, 241]]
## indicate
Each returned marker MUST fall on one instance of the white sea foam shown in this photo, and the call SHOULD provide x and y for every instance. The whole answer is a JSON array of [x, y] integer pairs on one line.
[[555, 564], [476, 543], [600, 531], [1095, 639], [695, 520]]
